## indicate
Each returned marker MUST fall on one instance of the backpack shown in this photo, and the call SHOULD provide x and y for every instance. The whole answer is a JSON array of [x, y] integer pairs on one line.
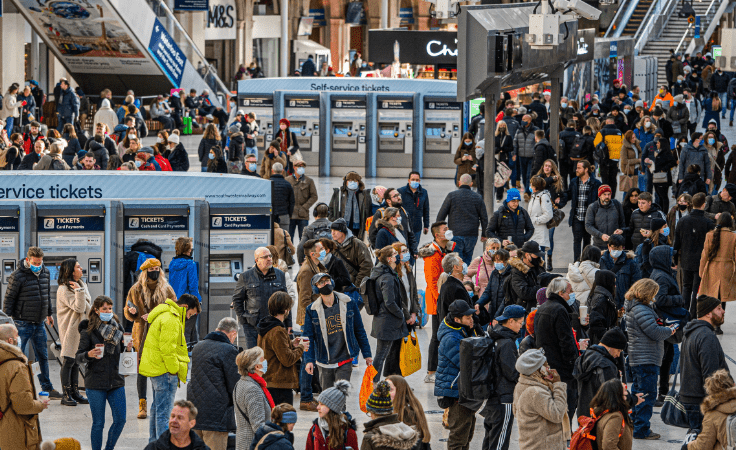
[[731, 431], [600, 154], [369, 220], [688, 187], [370, 299], [57, 165], [578, 146], [322, 231], [509, 294], [584, 437], [477, 355], [548, 152]]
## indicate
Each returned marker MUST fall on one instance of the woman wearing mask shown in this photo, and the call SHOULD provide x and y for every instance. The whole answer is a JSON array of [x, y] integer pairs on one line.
[[504, 147], [334, 429], [100, 345], [216, 162], [465, 158], [493, 295], [630, 204], [582, 273], [664, 160], [389, 228], [272, 156], [210, 138], [162, 142], [717, 262], [630, 161], [644, 131], [409, 409], [602, 308], [349, 202], [657, 234], [480, 268], [389, 323], [554, 186], [681, 209], [450, 284], [717, 160], [161, 112], [72, 144], [540, 212], [288, 145], [134, 146], [124, 144], [73, 303], [148, 292], [614, 429], [253, 402]]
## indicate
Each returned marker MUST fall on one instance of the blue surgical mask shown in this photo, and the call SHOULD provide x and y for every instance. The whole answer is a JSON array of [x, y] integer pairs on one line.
[[322, 255], [465, 269], [563, 105], [352, 185], [212, 156], [675, 103], [711, 141], [300, 171], [491, 252], [106, 317], [138, 163], [265, 366], [36, 269], [252, 167], [414, 184], [468, 143], [571, 301], [499, 266], [405, 257], [666, 232], [616, 253]]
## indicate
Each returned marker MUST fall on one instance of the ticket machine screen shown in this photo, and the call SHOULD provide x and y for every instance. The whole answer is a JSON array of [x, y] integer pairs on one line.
[[434, 131], [387, 131], [220, 268], [298, 127], [342, 130]]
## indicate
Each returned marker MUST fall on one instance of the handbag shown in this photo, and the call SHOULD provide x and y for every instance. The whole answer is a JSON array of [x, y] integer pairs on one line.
[[366, 387], [410, 358], [558, 216], [673, 411], [502, 175], [128, 363], [659, 177], [626, 183]]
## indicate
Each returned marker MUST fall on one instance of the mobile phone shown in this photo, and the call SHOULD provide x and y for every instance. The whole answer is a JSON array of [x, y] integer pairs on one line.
[[645, 396], [675, 326]]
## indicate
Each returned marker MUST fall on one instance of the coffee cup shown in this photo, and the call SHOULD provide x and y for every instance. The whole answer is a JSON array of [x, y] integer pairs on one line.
[[583, 313], [101, 347], [43, 394], [127, 337]]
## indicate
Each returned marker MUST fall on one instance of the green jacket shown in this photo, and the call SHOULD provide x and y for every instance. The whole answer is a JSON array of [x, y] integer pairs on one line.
[[165, 349]]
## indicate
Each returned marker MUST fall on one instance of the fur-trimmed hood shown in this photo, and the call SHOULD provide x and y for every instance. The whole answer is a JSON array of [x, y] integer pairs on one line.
[[387, 432], [518, 264], [724, 401], [386, 224], [431, 248]]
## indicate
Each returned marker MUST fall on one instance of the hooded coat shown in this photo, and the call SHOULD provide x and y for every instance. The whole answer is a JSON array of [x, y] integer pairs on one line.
[[101, 154], [388, 234], [553, 332], [449, 334], [716, 409], [72, 308], [626, 270], [692, 155], [165, 350], [388, 433], [582, 276], [701, 354], [668, 296], [718, 277], [594, 367], [603, 313], [179, 159], [540, 212], [272, 437], [282, 355], [19, 428], [540, 413], [104, 115]]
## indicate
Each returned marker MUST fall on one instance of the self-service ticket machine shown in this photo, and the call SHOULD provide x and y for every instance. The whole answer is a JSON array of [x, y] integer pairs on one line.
[[303, 114], [442, 136], [348, 135], [262, 106], [160, 224], [72, 231], [235, 232], [395, 137], [10, 244]]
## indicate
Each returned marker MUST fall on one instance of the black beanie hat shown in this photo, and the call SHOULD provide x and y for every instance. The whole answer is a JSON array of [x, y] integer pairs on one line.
[[706, 304], [614, 338]]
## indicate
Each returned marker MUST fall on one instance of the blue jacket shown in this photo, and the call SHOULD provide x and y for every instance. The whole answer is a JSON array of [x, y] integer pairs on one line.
[[448, 366], [572, 195], [493, 293], [69, 104], [644, 137], [315, 329], [628, 274], [183, 276], [416, 205]]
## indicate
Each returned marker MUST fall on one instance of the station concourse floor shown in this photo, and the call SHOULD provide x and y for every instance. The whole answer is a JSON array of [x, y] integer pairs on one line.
[[61, 421]]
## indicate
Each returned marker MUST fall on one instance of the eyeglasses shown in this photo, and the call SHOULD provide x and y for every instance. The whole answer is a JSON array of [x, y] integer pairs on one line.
[[265, 257]]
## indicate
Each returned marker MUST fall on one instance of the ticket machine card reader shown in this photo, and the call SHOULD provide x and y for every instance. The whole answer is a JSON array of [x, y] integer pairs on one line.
[[8, 268], [94, 273], [226, 269]]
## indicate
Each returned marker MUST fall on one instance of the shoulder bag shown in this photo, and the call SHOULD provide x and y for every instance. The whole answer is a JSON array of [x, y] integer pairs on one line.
[[673, 411]]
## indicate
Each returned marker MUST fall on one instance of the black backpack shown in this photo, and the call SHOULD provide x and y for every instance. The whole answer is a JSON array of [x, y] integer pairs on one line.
[[508, 293], [370, 299], [476, 380], [322, 231], [600, 154], [57, 165], [548, 152], [578, 148]]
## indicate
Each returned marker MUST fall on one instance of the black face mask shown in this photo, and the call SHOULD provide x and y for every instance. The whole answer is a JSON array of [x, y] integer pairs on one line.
[[153, 275], [682, 207], [326, 289]]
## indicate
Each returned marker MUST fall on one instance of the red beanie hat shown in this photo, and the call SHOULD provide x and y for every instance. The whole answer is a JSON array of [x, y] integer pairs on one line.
[[603, 189]]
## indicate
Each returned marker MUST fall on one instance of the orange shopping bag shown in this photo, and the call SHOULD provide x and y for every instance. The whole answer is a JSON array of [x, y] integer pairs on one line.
[[366, 388]]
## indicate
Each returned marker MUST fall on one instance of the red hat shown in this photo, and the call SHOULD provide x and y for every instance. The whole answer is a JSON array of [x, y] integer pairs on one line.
[[285, 122], [617, 80], [603, 189], [547, 92]]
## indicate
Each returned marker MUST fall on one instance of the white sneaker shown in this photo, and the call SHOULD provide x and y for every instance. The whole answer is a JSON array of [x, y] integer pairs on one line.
[[429, 378]]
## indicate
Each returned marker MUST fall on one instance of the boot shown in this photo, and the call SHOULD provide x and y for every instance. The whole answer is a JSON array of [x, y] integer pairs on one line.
[[549, 263], [730, 124], [67, 399], [79, 398], [142, 409]]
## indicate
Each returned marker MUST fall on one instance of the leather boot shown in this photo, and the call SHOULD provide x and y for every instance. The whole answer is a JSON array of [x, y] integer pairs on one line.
[[142, 408], [67, 399], [79, 398]]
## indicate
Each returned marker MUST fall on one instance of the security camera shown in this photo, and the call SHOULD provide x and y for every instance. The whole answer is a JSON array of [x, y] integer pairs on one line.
[[446, 9], [579, 7]]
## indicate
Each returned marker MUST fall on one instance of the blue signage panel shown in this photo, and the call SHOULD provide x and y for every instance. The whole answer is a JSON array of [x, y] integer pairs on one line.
[[613, 50], [191, 5], [8, 224], [71, 223], [318, 15], [266, 86], [697, 27], [167, 54], [240, 222], [156, 223]]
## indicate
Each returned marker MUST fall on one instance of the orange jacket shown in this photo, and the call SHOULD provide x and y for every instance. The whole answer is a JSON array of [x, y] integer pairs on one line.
[[432, 255], [666, 99]]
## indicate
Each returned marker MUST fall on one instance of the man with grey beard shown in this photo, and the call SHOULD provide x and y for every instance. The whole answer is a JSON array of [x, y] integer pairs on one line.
[[604, 217]]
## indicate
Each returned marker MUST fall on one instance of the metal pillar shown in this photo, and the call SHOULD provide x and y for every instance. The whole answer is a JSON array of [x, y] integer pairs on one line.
[[554, 110], [489, 164], [384, 14], [35, 57], [284, 53]]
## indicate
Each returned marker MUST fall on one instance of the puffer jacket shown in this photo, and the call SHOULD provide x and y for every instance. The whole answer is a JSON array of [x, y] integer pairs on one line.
[[540, 413], [464, 210], [553, 332], [603, 314], [540, 212], [668, 296], [236, 147], [702, 355], [305, 195], [524, 142], [183, 276], [432, 254], [101, 154], [516, 224], [252, 292], [388, 433], [646, 337], [582, 276], [102, 374], [449, 334], [19, 428], [283, 196], [719, 81], [389, 324], [681, 115], [716, 410], [493, 292], [594, 367], [165, 349], [600, 220], [691, 155], [504, 366], [27, 294], [214, 376], [641, 220], [179, 159], [274, 438], [626, 270], [524, 284]]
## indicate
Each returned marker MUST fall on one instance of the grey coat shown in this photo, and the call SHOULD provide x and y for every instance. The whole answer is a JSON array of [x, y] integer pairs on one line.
[[524, 142], [692, 155], [251, 411], [600, 220], [646, 338]]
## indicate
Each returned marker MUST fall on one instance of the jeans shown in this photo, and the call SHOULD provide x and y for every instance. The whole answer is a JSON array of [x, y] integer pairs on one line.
[[690, 286], [645, 381], [204, 168], [525, 169], [733, 108], [664, 369], [301, 223], [694, 418], [63, 121], [164, 391], [116, 399], [434, 345], [514, 174], [551, 242], [251, 336], [465, 246], [724, 102], [382, 350], [9, 125], [251, 151], [580, 237], [328, 377], [642, 181], [36, 333], [305, 383], [499, 420]]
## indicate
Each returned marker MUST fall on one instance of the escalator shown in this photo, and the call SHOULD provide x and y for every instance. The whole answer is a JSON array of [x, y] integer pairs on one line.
[[636, 18], [122, 45]]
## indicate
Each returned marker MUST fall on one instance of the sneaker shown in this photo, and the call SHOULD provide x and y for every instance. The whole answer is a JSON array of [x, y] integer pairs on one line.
[[659, 402], [55, 395], [355, 362], [429, 378], [652, 436], [308, 406]]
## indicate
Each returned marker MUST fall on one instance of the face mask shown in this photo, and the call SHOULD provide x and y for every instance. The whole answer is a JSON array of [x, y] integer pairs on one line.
[[106, 317], [153, 275], [627, 110], [524, 123], [571, 300], [326, 289], [376, 199], [265, 366], [616, 253], [271, 156], [682, 207], [675, 103], [666, 232], [138, 163], [647, 124], [352, 185], [36, 269], [467, 143], [563, 105], [711, 141], [448, 235], [252, 167], [661, 91], [398, 220], [682, 144], [491, 252], [212, 156], [405, 257], [322, 255], [300, 171], [465, 269], [414, 184], [159, 140], [499, 266]]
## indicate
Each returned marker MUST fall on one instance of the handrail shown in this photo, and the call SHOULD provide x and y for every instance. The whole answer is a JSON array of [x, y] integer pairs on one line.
[[689, 26], [622, 14], [643, 33], [709, 31]]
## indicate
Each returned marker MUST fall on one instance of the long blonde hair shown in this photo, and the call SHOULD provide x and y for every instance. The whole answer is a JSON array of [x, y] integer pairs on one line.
[[594, 124], [404, 400], [505, 128], [211, 132]]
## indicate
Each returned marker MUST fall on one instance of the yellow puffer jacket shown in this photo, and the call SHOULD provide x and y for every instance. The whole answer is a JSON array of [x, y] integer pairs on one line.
[[165, 349]]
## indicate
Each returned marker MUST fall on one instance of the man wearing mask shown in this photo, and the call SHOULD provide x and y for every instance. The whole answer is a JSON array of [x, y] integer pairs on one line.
[[393, 200], [415, 200], [663, 95], [465, 211], [250, 168], [679, 116], [695, 83], [28, 302], [566, 111], [719, 83], [352, 251], [305, 194], [695, 153], [433, 253], [526, 267], [693, 108], [622, 263], [524, 150]]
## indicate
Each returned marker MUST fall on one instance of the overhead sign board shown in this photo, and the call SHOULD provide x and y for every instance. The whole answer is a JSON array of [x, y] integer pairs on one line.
[[414, 47], [191, 5], [167, 54], [221, 20], [240, 222], [83, 223]]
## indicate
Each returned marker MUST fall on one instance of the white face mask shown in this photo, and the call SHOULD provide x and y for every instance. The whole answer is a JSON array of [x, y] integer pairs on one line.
[[449, 235], [159, 140]]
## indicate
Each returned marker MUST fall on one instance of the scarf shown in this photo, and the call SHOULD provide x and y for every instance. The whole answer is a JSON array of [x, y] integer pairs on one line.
[[111, 334], [284, 144], [262, 383], [352, 213], [324, 427]]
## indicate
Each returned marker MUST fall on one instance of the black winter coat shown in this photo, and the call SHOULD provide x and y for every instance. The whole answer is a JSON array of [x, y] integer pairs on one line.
[[29, 160], [594, 367], [541, 111], [102, 374], [702, 355], [220, 166], [27, 296], [179, 159], [283, 196], [603, 314], [567, 136], [130, 262], [494, 294], [452, 289], [690, 239], [236, 147], [504, 365], [464, 210], [719, 82], [524, 284], [101, 154], [553, 333], [516, 224], [280, 439], [337, 269], [163, 442], [214, 376], [389, 324], [204, 150], [668, 295], [572, 195], [252, 291], [641, 220], [109, 144]]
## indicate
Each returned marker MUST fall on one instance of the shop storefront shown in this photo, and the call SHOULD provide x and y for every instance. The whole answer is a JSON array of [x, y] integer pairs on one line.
[[434, 52], [220, 35]]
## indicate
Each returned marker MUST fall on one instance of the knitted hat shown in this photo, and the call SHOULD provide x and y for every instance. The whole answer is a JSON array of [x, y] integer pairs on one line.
[[530, 361], [276, 143], [541, 296], [340, 225], [174, 138], [678, 98], [595, 107], [150, 262], [530, 321], [334, 397], [731, 189], [656, 223], [639, 104], [706, 304], [285, 122], [603, 189], [513, 194], [614, 338], [380, 400]]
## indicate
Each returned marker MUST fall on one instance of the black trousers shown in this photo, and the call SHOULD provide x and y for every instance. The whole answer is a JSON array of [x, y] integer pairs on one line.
[[498, 422], [69, 372], [609, 175], [142, 385], [580, 237], [690, 286], [572, 399], [280, 396], [567, 172], [662, 191], [664, 369], [434, 345]]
